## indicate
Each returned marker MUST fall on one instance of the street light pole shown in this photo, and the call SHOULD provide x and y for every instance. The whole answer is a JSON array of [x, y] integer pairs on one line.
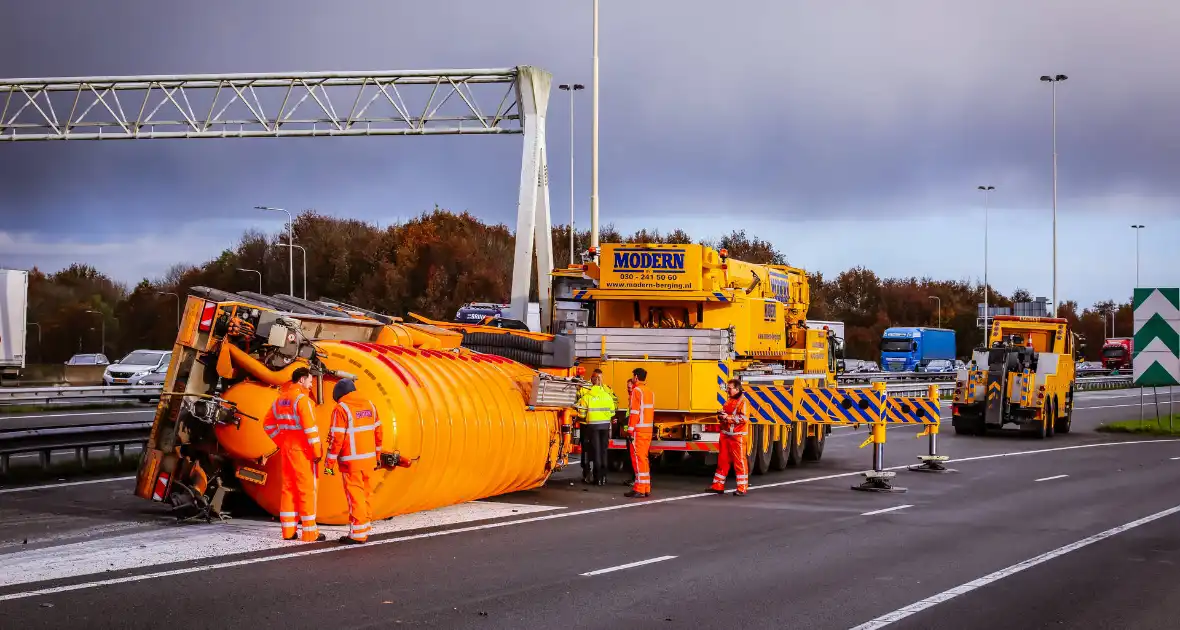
[[594, 140], [986, 311], [103, 340], [1137, 228], [571, 89], [933, 297], [259, 277], [177, 305], [304, 253], [1053, 81], [290, 252]]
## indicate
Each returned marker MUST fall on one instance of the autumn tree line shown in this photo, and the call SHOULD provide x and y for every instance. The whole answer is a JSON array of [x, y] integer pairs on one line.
[[434, 263]]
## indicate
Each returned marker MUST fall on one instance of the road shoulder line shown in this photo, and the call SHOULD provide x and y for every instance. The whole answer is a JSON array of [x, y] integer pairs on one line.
[[929, 602]]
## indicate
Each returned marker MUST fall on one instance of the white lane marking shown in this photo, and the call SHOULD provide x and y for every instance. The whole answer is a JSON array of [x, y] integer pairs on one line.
[[1175, 458], [486, 526], [627, 566], [1051, 478], [902, 613], [165, 545], [80, 413], [896, 507], [51, 486]]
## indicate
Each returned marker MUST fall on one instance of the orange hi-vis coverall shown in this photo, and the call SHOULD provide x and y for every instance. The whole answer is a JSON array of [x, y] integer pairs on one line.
[[732, 445], [291, 424], [355, 440], [640, 422]]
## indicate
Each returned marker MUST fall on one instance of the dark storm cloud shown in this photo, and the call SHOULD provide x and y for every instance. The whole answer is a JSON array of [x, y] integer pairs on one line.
[[842, 108]]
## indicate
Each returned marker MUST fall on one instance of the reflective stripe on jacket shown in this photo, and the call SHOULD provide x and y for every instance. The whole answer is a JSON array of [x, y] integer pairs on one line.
[[596, 405], [356, 430], [738, 411], [291, 419], [641, 413]]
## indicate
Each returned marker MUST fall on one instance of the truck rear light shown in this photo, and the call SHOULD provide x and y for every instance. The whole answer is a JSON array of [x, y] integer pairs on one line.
[[207, 315], [712, 428], [161, 488]]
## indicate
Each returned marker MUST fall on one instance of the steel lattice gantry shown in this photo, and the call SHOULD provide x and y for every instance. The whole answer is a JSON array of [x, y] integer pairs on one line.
[[312, 104]]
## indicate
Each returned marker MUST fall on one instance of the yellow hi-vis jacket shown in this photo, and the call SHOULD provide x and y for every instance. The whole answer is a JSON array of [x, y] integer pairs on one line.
[[597, 405]]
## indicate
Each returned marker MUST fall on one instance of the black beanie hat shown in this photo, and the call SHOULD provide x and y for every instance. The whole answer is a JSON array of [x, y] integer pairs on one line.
[[344, 387]]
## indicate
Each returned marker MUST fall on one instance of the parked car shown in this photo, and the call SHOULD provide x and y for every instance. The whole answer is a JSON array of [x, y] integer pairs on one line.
[[135, 366], [937, 365], [88, 359]]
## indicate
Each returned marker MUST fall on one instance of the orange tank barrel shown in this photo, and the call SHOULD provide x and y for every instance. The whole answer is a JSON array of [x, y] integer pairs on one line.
[[464, 416]]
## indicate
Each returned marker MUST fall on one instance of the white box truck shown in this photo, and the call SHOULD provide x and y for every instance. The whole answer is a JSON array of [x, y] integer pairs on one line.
[[14, 305]]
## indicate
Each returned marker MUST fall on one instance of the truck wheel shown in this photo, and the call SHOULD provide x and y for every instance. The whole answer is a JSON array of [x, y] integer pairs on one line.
[[794, 445], [778, 449], [1063, 425], [762, 449], [616, 461], [813, 447], [1039, 431], [1051, 423]]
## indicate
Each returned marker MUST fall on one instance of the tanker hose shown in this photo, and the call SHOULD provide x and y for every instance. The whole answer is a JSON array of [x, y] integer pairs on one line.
[[259, 371]]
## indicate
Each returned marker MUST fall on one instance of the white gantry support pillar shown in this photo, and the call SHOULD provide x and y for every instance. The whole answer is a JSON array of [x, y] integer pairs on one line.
[[533, 222]]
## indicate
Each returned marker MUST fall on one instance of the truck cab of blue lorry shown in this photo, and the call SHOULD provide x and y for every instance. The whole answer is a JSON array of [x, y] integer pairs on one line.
[[905, 349]]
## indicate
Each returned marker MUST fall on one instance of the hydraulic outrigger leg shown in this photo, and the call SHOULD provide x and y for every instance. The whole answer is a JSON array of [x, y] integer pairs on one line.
[[877, 479], [933, 462]]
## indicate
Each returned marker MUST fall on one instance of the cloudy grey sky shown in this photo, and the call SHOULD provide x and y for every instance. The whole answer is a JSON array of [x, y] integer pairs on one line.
[[848, 132]]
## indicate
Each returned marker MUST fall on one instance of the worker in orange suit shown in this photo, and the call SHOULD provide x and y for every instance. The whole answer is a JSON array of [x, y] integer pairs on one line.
[[640, 423], [735, 418], [291, 424], [355, 441]]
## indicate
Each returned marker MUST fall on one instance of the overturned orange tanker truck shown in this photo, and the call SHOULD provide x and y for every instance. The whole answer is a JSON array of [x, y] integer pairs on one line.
[[478, 424]]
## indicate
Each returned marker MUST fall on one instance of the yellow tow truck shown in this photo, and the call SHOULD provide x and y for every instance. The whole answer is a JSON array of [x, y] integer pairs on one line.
[[1024, 377]]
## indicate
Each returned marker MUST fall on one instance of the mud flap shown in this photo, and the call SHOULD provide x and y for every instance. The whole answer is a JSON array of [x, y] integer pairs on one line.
[[994, 409]]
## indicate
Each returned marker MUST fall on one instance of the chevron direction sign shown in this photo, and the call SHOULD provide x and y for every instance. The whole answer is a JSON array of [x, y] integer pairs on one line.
[[1157, 337]]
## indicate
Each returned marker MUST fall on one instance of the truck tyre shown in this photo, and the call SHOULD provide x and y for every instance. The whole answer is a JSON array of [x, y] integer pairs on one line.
[[1051, 424], [794, 445], [616, 461], [762, 449], [813, 447], [778, 450], [1064, 424], [1039, 431]]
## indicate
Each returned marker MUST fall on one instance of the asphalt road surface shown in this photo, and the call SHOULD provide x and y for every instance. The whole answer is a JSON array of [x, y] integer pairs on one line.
[[1080, 530]]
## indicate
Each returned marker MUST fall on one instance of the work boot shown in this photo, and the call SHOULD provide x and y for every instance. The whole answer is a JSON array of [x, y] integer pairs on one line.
[[739, 493], [587, 479], [349, 541], [601, 482], [321, 538], [715, 490], [633, 494]]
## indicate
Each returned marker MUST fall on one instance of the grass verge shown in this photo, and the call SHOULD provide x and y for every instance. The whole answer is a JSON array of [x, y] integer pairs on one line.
[[1148, 426]]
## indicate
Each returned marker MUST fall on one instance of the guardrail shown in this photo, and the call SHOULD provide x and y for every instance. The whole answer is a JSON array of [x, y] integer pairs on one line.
[[870, 377], [116, 437], [55, 395], [80, 438]]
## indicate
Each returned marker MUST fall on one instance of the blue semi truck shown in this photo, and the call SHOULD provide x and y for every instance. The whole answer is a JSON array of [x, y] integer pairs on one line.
[[905, 349]]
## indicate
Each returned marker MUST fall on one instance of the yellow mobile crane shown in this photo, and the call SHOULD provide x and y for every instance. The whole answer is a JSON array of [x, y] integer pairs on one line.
[[694, 318]]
